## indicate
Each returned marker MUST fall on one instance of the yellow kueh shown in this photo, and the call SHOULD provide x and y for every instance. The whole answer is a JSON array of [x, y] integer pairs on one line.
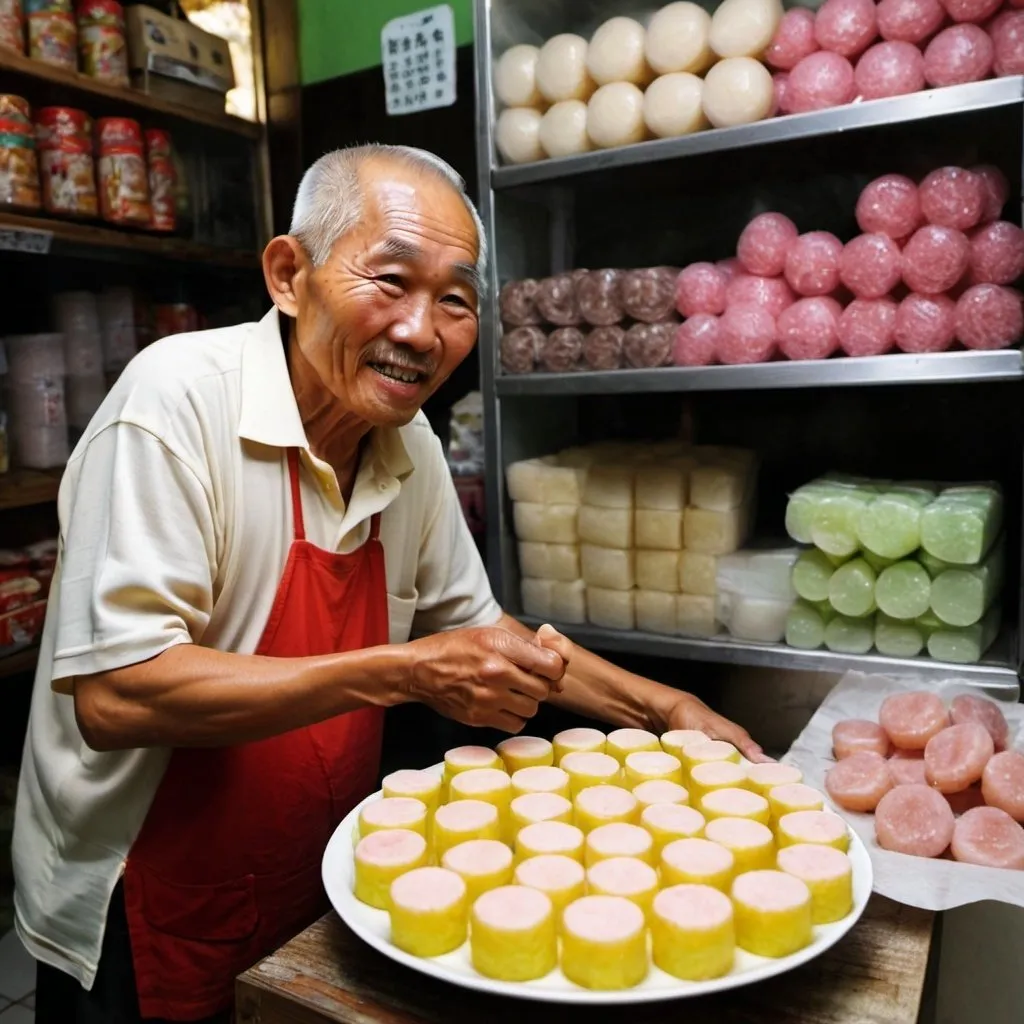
[[380, 858], [750, 842], [669, 822], [618, 840], [705, 751], [762, 778], [428, 908], [622, 742], [794, 796], [659, 791], [697, 862], [419, 785], [735, 803], [525, 752], [393, 812], [530, 808], [772, 912], [628, 877], [604, 943], [513, 934], [540, 779], [712, 775], [652, 766], [673, 741], [602, 805], [549, 837], [818, 827], [482, 864], [590, 769], [461, 821], [827, 873], [561, 878], [693, 935], [491, 785], [464, 759], [578, 741]]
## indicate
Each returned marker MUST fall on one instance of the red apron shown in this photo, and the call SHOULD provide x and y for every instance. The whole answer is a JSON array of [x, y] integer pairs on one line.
[[226, 867]]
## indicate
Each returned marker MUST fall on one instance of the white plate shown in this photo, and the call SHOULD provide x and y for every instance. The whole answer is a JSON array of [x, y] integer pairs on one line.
[[373, 927]]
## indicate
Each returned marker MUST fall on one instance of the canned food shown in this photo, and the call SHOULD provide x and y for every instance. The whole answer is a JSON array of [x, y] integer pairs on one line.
[[12, 26], [64, 141], [162, 181], [123, 180], [101, 41], [19, 168], [52, 38], [15, 108]]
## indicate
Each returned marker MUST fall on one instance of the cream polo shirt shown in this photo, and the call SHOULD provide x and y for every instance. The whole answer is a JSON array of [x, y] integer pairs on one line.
[[175, 522]]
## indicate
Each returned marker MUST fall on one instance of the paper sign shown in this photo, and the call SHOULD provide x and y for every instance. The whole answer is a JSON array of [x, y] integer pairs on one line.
[[25, 240], [418, 57]]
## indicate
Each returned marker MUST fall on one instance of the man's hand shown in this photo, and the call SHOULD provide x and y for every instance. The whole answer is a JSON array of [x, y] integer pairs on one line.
[[689, 712], [485, 676]]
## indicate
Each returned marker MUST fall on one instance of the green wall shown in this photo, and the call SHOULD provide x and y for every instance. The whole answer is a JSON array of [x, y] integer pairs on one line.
[[337, 37]]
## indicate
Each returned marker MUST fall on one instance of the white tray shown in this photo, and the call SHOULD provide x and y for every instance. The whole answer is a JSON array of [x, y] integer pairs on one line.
[[373, 927]]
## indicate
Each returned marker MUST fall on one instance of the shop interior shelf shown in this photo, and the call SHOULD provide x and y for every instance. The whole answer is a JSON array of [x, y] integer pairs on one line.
[[996, 674], [19, 662], [935, 368], [919, 106], [73, 82], [73, 235], [22, 488]]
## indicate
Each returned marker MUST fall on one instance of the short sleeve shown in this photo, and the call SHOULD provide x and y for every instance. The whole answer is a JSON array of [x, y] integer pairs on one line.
[[138, 553], [451, 580]]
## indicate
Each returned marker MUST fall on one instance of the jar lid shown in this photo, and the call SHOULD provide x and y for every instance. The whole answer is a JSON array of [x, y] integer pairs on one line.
[[55, 117], [119, 131]]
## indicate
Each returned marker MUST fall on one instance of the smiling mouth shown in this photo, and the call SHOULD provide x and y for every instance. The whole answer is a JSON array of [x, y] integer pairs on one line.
[[403, 374]]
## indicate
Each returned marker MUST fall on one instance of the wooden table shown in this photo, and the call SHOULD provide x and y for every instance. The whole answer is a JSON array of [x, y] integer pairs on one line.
[[326, 975]]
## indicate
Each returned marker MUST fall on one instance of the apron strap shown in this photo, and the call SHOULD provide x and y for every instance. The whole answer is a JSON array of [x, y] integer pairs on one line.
[[375, 526], [293, 475]]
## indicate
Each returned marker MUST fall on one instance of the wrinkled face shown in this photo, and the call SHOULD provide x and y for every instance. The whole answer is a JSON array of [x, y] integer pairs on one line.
[[393, 310]]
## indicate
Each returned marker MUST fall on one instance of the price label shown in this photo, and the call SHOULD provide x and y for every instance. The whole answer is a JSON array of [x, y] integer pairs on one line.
[[25, 240], [418, 59]]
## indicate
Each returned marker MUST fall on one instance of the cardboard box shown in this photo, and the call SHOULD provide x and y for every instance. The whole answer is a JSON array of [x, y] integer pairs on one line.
[[177, 61]]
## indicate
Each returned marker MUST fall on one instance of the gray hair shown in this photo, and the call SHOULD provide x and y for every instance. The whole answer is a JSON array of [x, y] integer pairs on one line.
[[329, 201]]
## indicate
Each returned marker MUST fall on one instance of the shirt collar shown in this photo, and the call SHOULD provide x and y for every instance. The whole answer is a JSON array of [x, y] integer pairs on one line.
[[270, 414]]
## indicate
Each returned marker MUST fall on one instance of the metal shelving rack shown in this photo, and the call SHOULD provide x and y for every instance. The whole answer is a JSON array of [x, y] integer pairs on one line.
[[528, 213]]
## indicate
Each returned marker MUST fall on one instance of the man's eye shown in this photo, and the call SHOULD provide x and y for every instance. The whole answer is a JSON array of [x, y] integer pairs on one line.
[[391, 279], [456, 300]]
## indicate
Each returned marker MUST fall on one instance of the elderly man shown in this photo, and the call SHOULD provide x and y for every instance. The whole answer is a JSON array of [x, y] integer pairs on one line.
[[253, 525]]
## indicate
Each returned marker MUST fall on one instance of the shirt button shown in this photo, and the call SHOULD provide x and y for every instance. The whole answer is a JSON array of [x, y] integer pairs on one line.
[[383, 487]]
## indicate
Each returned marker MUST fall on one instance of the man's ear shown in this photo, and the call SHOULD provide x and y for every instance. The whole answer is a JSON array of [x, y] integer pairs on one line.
[[285, 267]]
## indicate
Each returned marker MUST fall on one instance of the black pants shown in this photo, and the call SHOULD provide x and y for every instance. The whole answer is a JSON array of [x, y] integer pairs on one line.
[[113, 998]]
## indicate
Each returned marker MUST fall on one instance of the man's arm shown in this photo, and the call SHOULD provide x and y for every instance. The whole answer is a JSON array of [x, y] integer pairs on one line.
[[598, 689]]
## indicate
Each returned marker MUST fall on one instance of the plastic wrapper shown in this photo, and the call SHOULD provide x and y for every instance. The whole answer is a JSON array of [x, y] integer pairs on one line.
[[889, 69], [1008, 45], [598, 293], [867, 327], [967, 645], [890, 526], [520, 349], [649, 294], [889, 205], [961, 525], [896, 639], [701, 288], [34, 357], [844, 635], [562, 350], [754, 619], [611, 568], [720, 487], [611, 609], [952, 197], [518, 303], [758, 573], [903, 591], [465, 451], [793, 40], [607, 527], [925, 323], [715, 533], [934, 259], [996, 190], [764, 242], [696, 341], [835, 517], [803, 504], [549, 561], [958, 54], [805, 625], [656, 612], [746, 334], [909, 21], [846, 27], [812, 263], [997, 253], [658, 570], [961, 596], [602, 348], [821, 80], [812, 572], [809, 329], [649, 345], [557, 301], [851, 589], [770, 293], [989, 316], [117, 328], [657, 529]]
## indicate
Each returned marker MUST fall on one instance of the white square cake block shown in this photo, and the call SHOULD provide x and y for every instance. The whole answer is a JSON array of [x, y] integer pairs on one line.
[[611, 609], [549, 561], [609, 487], [536, 595], [659, 530], [656, 612], [611, 568], [658, 570], [661, 487], [715, 533], [606, 527], [695, 615], [569, 601], [697, 572], [547, 524]]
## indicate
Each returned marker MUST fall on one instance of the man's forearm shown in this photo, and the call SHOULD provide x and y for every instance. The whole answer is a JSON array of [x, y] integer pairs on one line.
[[192, 696], [596, 688]]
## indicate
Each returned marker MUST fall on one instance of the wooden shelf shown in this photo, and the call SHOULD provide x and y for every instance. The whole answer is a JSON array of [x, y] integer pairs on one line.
[[89, 236], [22, 661], [73, 81], [21, 488]]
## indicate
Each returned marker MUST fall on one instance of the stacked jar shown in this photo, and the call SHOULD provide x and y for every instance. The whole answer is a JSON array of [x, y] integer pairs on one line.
[[101, 41], [85, 385], [117, 331], [123, 179], [19, 170], [52, 35], [12, 26], [38, 428], [162, 180], [64, 138]]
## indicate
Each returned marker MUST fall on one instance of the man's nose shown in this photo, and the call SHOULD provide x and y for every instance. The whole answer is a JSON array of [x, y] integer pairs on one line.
[[415, 325]]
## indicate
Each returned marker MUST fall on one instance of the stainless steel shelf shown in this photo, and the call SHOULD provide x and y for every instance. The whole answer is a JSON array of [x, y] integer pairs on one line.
[[957, 99], [996, 674], [936, 368]]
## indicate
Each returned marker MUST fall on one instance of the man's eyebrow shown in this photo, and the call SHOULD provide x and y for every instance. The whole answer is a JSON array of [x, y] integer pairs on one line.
[[393, 248]]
